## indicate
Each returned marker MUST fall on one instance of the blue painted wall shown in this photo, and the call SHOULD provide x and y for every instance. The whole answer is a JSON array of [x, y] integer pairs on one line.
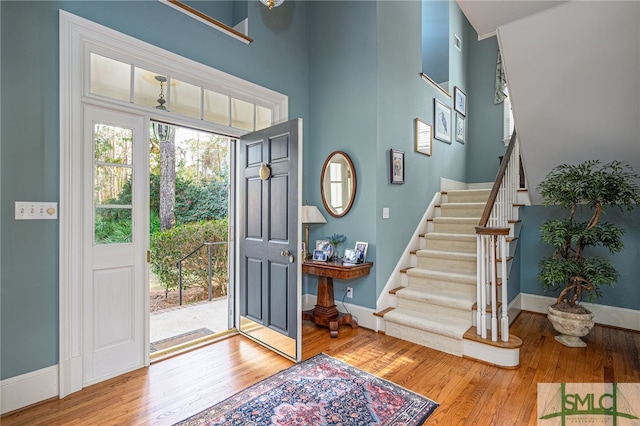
[[351, 71], [626, 292], [485, 120], [435, 40], [343, 115], [277, 59]]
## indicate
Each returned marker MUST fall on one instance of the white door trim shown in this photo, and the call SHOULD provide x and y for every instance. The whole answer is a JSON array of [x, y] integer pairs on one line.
[[76, 34]]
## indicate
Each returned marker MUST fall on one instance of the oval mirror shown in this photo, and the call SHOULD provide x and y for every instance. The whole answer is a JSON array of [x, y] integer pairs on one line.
[[338, 184]]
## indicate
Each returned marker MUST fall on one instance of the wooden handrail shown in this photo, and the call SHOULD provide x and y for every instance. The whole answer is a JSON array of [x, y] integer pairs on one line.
[[496, 185]]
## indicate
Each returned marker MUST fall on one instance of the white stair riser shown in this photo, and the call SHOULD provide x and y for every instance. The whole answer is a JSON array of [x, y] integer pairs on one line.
[[447, 265], [444, 311], [421, 337]]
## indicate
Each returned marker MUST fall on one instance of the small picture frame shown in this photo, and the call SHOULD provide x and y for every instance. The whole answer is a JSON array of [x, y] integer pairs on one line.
[[319, 256], [460, 130], [361, 251], [350, 257], [424, 137], [396, 166], [441, 121], [325, 246], [460, 101]]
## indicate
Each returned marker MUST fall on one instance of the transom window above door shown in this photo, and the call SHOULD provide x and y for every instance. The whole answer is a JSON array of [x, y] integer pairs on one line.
[[121, 81]]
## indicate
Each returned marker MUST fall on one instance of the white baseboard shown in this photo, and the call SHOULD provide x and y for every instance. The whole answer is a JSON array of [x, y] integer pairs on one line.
[[451, 185], [602, 314], [363, 315], [26, 389]]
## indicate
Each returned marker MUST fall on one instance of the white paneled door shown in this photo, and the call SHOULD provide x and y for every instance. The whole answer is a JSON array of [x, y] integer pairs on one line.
[[115, 241]]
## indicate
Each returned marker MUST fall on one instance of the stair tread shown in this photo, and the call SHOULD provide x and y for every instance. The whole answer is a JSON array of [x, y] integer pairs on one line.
[[450, 236], [433, 323], [464, 204], [395, 290], [383, 312], [457, 219], [513, 343]]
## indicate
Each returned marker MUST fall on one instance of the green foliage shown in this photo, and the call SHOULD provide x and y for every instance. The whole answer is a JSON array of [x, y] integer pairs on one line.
[[170, 246], [112, 227], [555, 273], [204, 201], [593, 187], [336, 239], [612, 184]]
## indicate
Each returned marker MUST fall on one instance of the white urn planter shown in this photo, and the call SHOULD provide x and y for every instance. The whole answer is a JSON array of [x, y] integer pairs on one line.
[[571, 326]]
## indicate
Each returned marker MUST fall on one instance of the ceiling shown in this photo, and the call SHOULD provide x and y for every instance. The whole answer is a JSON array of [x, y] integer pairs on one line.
[[485, 16], [572, 69]]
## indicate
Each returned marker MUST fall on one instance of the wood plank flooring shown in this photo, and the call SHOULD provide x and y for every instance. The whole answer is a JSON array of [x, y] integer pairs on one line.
[[469, 392]]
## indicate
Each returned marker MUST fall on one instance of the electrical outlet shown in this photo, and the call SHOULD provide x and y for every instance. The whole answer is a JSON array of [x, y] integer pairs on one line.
[[349, 292]]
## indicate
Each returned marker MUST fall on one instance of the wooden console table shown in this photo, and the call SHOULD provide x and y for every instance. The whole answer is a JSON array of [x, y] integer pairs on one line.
[[325, 312]]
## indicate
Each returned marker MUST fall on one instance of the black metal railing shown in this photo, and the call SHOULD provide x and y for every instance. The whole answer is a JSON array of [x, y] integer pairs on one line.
[[210, 247]]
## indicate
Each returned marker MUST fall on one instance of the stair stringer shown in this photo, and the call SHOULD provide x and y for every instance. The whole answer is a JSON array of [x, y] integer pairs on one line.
[[386, 300]]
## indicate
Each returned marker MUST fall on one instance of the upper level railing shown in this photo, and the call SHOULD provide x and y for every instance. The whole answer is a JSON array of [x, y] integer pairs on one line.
[[493, 232]]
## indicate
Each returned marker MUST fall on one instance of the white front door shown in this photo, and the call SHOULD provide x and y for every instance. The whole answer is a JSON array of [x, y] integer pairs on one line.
[[115, 233]]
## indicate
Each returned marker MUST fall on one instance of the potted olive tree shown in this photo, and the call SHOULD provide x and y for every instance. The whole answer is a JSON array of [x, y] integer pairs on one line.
[[585, 191]]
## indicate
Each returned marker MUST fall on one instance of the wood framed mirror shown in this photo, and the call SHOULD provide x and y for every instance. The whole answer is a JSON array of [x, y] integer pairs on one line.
[[338, 184]]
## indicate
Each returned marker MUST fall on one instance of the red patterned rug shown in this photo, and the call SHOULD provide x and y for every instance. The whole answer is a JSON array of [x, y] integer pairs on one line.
[[319, 391]]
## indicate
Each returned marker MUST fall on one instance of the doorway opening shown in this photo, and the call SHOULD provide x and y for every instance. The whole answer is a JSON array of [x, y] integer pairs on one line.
[[190, 274]]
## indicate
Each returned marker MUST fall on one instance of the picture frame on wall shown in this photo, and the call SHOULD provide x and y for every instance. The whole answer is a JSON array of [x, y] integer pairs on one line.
[[396, 166], [424, 137], [441, 121], [459, 101], [460, 128]]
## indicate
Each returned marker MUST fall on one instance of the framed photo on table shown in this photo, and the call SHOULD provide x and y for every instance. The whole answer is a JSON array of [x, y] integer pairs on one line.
[[325, 246], [441, 121], [361, 251], [319, 256]]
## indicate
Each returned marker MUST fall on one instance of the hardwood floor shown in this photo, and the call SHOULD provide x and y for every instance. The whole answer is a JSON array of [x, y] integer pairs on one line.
[[469, 392]]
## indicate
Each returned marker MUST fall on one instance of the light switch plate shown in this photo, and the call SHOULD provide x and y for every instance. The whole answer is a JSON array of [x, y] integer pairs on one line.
[[385, 212], [33, 210]]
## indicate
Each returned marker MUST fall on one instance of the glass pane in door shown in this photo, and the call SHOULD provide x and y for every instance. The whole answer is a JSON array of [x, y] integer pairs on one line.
[[112, 184]]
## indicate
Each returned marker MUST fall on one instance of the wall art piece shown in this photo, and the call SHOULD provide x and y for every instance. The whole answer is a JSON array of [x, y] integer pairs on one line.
[[460, 101], [441, 121], [460, 128], [424, 137], [396, 166]]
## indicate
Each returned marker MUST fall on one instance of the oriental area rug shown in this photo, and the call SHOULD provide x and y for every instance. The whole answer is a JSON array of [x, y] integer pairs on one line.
[[319, 391]]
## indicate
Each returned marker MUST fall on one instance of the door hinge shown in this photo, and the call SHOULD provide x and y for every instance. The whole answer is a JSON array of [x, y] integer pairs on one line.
[[148, 256]]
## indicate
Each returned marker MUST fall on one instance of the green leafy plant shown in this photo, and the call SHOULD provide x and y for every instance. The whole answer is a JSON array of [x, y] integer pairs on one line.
[[586, 191], [336, 239], [168, 247]]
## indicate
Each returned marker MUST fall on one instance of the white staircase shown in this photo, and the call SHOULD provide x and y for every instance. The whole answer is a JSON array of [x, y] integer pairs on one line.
[[435, 307]]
